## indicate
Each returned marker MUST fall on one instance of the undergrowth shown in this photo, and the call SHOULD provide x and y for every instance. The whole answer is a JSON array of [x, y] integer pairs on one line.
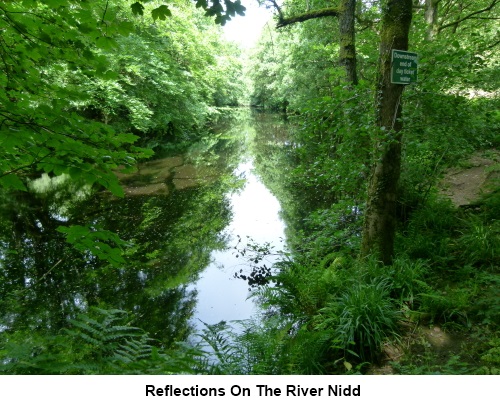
[[334, 314], [102, 341]]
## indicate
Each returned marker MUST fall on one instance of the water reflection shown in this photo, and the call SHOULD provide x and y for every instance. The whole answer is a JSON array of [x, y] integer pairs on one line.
[[180, 216], [255, 218]]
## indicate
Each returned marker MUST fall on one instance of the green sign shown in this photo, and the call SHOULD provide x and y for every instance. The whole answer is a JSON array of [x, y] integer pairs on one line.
[[404, 67]]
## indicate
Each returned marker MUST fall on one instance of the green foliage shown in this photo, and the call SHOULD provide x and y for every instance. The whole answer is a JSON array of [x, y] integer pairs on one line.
[[104, 330], [488, 302], [40, 131], [429, 232], [434, 142], [215, 8], [492, 359], [171, 98], [453, 366], [340, 307], [480, 241], [301, 289], [406, 279], [77, 87], [78, 92], [94, 241], [225, 356], [212, 8], [161, 13], [457, 283], [362, 317], [451, 305], [333, 229], [98, 342], [271, 345]]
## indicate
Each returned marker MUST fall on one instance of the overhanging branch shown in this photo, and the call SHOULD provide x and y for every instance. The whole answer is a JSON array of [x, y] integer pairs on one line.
[[468, 16], [324, 12]]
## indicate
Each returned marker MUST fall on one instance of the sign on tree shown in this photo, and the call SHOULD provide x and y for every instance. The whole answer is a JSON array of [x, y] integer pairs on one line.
[[404, 67]]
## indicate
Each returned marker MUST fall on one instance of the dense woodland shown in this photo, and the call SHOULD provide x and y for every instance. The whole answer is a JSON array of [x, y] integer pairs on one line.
[[377, 255]]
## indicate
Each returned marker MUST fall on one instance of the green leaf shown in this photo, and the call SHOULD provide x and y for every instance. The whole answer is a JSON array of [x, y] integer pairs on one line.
[[239, 8], [12, 181], [106, 43], [137, 8], [202, 3], [73, 232], [114, 256], [94, 241], [125, 27], [161, 13], [116, 189], [45, 37], [56, 3]]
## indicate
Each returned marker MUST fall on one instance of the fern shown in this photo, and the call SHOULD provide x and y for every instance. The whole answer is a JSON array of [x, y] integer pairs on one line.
[[222, 355], [98, 342], [104, 332], [134, 350]]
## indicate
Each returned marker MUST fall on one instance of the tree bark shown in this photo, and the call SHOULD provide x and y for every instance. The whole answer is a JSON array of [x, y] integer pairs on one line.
[[309, 15], [347, 50], [380, 215], [431, 18]]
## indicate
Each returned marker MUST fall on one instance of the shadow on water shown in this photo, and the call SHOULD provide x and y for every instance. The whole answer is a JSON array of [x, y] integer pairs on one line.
[[180, 217]]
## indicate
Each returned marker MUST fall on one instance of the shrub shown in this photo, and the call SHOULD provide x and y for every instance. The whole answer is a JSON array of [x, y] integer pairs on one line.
[[362, 317]]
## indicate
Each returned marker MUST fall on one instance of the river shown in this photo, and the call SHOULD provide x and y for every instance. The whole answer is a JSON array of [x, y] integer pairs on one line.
[[185, 220], [221, 297]]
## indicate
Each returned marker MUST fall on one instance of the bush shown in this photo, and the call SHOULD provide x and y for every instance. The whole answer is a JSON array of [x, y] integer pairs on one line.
[[362, 317]]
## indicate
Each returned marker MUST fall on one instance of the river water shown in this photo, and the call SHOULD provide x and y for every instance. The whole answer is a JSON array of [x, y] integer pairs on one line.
[[184, 219], [256, 216]]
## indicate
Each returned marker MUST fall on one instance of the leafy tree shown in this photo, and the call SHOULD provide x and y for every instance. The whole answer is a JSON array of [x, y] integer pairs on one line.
[[84, 81], [345, 11], [66, 77], [43, 44], [368, 16], [189, 70]]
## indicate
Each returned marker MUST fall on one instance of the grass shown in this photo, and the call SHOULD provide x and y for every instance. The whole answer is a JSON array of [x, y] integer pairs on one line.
[[367, 316]]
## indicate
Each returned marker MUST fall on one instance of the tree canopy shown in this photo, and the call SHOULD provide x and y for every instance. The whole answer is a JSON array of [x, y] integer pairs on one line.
[[83, 81]]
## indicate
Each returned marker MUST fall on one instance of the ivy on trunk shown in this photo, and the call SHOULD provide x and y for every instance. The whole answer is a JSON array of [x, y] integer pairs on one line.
[[380, 217]]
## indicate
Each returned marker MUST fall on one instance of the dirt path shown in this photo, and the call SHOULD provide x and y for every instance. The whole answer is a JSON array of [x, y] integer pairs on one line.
[[464, 185]]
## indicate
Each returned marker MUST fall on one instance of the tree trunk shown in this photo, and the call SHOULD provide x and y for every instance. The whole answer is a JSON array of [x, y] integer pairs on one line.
[[347, 44], [347, 51], [380, 216], [431, 18]]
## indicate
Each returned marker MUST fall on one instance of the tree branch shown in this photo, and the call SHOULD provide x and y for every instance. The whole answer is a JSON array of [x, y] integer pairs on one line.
[[456, 22], [105, 11], [493, 45], [276, 7], [485, 18], [325, 12]]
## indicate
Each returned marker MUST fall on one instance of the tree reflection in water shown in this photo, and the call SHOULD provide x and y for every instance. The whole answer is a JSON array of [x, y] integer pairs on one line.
[[175, 213]]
